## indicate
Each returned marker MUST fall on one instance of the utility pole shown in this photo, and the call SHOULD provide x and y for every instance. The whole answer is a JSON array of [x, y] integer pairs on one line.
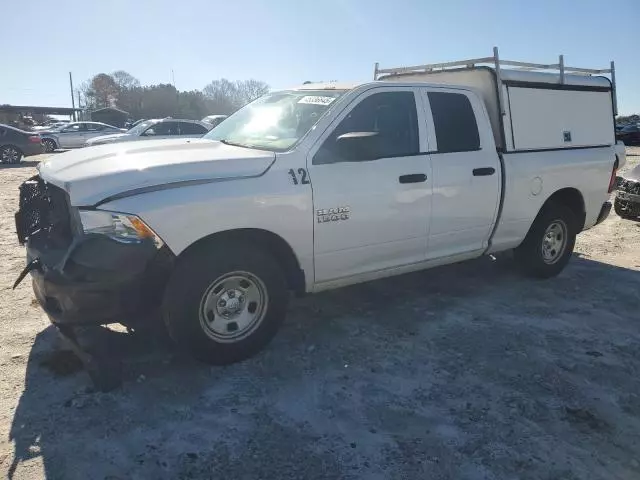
[[73, 103], [79, 106]]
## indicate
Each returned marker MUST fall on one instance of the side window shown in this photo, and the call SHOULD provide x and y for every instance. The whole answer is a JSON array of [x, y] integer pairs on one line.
[[188, 128], [162, 129], [454, 122], [76, 127], [382, 125], [94, 127]]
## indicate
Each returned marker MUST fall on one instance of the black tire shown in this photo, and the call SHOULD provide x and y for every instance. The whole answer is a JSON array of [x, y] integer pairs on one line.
[[529, 255], [49, 145], [194, 278], [10, 155], [620, 210]]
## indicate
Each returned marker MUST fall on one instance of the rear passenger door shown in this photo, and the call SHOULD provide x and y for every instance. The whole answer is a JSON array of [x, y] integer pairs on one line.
[[466, 173], [93, 130]]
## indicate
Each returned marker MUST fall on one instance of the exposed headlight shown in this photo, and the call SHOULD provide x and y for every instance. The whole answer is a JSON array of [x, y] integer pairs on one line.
[[121, 227]]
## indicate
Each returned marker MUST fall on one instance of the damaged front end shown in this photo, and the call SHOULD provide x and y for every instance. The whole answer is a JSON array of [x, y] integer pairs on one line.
[[86, 274]]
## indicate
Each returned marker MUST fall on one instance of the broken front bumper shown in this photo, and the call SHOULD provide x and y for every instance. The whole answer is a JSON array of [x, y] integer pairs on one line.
[[85, 278], [97, 280]]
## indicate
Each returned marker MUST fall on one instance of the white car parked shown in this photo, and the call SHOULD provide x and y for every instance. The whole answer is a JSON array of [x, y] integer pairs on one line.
[[320, 187], [155, 129]]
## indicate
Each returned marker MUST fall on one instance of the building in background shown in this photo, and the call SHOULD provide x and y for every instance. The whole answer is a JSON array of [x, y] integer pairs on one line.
[[111, 116]]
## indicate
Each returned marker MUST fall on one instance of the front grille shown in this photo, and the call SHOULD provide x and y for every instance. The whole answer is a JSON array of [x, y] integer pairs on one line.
[[629, 186], [43, 210]]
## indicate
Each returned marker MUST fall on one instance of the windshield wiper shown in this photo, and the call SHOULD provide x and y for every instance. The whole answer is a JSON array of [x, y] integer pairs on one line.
[[242, 145], [227, 142]]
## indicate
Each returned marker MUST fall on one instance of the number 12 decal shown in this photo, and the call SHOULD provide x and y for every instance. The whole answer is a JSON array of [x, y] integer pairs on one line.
[[302, 173]]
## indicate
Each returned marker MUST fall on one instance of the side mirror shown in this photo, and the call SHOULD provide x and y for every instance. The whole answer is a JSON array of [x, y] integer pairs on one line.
[[358, 146], [149, 132]]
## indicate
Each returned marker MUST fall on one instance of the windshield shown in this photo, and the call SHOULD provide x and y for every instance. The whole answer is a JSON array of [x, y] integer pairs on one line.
[[275, 121], [141, 127]]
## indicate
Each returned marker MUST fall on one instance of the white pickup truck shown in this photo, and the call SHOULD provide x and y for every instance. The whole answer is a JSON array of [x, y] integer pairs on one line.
[[318, 187]]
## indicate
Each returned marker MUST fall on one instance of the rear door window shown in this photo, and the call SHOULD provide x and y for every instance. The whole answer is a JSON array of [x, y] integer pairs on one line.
[[454, 122]]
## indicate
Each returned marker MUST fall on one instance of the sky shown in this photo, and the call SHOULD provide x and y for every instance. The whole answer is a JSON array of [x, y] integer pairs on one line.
[[285, 42]]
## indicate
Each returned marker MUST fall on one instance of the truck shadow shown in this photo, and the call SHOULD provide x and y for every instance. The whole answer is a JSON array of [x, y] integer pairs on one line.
[[167, 397]]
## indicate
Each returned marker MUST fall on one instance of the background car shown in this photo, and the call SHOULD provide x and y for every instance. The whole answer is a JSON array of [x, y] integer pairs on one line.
[[75, 134], [15, 143], [629, 134], [158, 128], [214, 120]]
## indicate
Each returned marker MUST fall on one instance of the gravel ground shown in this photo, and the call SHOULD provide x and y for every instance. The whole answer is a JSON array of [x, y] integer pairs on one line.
[[463, 372]]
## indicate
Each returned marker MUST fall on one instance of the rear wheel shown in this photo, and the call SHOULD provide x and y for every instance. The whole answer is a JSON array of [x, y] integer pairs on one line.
[[224, 303], [10, 154], [49, 145], [548, 246]]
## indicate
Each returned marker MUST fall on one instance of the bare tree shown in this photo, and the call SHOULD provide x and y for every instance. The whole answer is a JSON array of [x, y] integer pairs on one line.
[[125, 80], [222, 95], [102, 91], [123, 90], [226, 96], [249, 90]]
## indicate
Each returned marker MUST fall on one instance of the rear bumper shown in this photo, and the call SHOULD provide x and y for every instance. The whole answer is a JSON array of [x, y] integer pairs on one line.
[[604, 212], [100, 281]]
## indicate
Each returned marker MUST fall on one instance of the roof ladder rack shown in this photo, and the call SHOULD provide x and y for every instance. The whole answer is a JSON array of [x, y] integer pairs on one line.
[[496, 63]]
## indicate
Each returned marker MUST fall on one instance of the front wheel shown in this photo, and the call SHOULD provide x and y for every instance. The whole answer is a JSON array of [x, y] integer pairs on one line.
[[10, 154], [224, 303], [548, 246]]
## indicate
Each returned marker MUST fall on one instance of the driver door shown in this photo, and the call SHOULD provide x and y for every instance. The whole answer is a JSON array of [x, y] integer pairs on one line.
[[371, 183]]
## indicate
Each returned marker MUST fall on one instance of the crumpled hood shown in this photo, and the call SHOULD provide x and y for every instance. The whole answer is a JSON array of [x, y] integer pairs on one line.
[[92, 174], [633, 174]]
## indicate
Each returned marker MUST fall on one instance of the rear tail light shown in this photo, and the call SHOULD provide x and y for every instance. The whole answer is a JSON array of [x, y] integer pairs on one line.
[[612, 180], [35, 139]]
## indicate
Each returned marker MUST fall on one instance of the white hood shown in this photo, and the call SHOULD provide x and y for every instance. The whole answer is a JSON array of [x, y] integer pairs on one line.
[[92, 174]]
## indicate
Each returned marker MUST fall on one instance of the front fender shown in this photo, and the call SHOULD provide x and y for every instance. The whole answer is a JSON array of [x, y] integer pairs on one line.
[[182, 216]]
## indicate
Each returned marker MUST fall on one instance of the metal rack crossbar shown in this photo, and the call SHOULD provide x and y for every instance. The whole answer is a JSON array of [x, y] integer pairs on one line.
[[495, 62]]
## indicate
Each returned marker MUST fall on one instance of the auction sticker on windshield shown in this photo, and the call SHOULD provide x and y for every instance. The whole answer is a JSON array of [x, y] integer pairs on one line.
[[316, 100]]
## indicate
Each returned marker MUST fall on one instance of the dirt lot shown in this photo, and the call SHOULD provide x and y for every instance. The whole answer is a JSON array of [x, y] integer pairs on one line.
[[463, 372]]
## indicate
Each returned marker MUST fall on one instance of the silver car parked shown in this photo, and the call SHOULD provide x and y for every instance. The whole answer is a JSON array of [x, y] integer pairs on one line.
[[156, 129], [74, 135]]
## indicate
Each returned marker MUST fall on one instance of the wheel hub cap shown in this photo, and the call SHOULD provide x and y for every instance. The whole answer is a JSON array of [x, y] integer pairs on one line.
[[10, 155], [554, 242], [233, 306]]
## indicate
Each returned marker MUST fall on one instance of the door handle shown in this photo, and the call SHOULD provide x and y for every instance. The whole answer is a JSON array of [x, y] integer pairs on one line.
[[412, 178], [483, 172]]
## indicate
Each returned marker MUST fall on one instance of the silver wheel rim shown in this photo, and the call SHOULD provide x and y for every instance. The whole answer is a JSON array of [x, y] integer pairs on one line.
[[554, 242], [50, 146], [233, 307], [10, 155]]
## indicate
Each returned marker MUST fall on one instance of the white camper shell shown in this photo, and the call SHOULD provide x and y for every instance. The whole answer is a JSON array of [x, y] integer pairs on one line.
[[531, 106]]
